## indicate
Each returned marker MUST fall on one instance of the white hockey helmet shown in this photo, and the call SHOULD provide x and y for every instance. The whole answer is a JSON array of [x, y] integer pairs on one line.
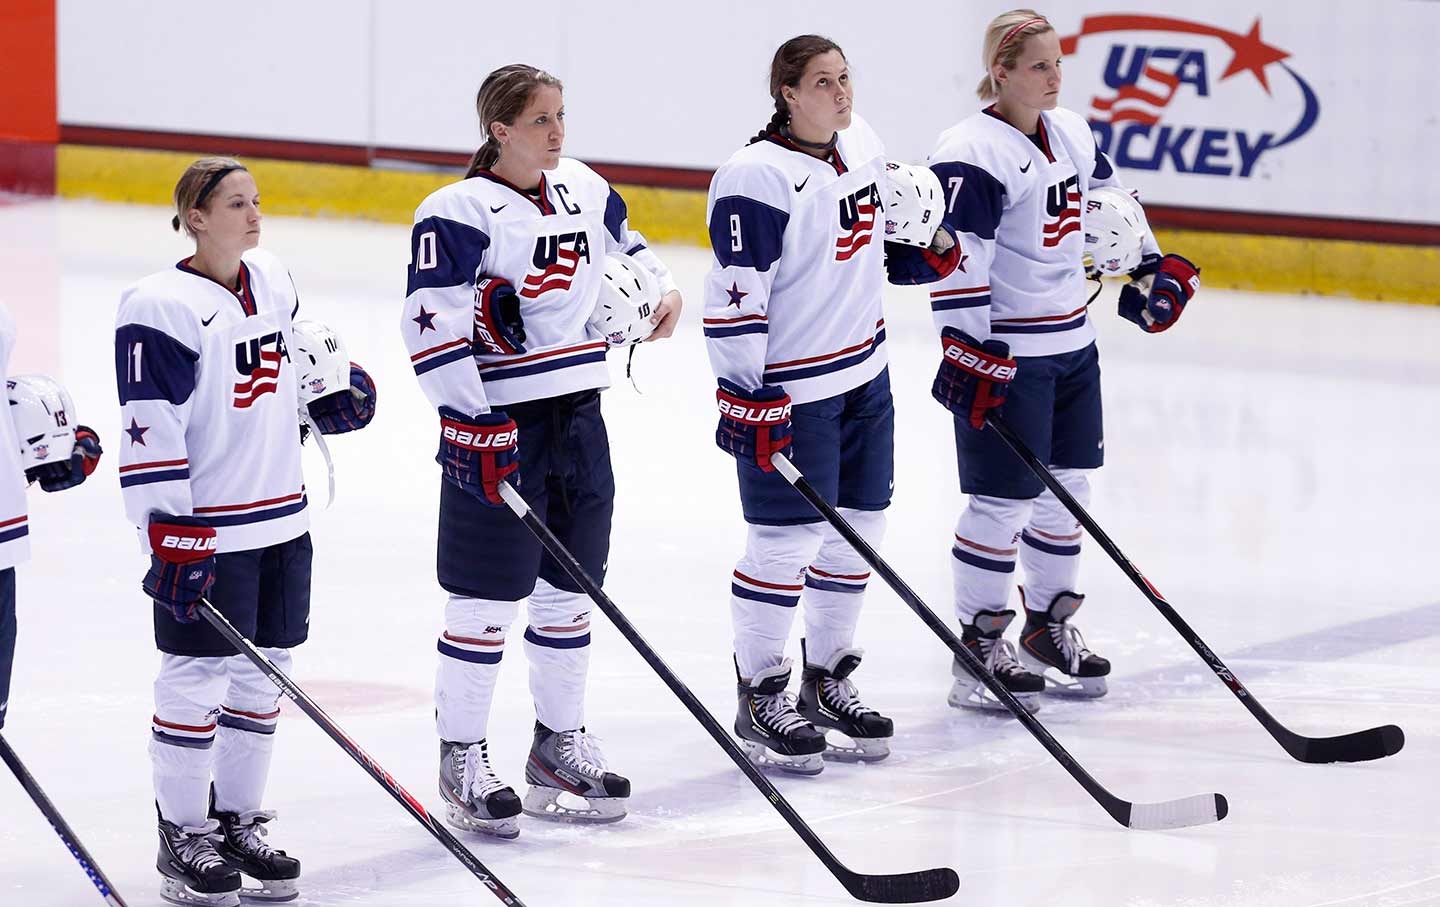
[[1115, 229], [322, 365], [629, 295], [44, 419], [914, 204]]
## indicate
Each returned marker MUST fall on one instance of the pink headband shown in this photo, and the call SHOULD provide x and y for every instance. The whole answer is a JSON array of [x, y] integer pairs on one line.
[[1011, 33]]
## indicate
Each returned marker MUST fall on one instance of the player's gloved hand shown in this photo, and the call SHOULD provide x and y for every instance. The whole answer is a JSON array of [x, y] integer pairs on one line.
[[907, 265], [64, 474], [753, 424], [478, 452], [348, 409], [182, 564], [1157, 295], [498, 326], [973, 376]]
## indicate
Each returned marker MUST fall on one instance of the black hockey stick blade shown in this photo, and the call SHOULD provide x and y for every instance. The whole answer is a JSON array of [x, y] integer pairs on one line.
[[903, 888], [62, 828], [1361, 746]]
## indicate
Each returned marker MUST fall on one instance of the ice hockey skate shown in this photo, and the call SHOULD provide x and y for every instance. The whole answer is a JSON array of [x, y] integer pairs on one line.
[[828, 700], [1051, 646], [242, 845], [192, 871], [986, 638], [568, 780], [475, 798], [772, 733]]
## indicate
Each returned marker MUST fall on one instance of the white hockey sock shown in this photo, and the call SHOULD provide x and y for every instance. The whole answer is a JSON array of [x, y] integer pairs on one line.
[[1050, 543], [835, 587], [765, 590], [469, 664], [982, 560], [557, 645], [182, 735], [245, 738]]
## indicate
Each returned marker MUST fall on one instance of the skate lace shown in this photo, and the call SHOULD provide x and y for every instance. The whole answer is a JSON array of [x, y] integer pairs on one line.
[[1072, 645], [1000, 656], [248, 834], [844, 697], [477, 779], [778, 711], [581, 751], [195, 847]]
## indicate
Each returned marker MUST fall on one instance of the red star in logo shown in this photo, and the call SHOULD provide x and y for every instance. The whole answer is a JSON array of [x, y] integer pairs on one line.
[[1252, 55]]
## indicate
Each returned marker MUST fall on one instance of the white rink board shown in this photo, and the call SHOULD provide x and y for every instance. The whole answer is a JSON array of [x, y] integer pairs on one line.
[[660, 83], [1270, 468]]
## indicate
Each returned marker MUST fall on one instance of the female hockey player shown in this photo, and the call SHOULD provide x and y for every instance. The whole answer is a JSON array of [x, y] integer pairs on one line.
[[507, 268], [210, 472], [1017, 176], [796, 338]]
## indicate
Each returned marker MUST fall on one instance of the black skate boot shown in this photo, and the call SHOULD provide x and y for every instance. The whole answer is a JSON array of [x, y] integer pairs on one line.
[[475, 798], [772, 733], [242, 845], [570, 762], [1052, 647], [193, 873], [828, 699], [986, 638]]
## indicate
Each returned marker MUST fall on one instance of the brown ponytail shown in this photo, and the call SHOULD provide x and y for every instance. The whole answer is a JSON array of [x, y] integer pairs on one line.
[[502, 98], [786, 68]]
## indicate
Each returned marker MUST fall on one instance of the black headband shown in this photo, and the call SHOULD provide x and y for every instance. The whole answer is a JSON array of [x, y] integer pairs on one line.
[[212, 182]]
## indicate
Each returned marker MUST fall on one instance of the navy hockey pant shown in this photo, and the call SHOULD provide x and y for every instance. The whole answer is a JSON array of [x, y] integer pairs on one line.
[[7, 637]]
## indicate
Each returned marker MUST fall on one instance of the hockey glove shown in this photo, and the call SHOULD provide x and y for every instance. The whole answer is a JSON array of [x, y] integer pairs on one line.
[[909, 265], [64, 474], [1158, 294], [182, 564], [477, 453], [973, 376], [499, 329], [346, 410], [753, 424]]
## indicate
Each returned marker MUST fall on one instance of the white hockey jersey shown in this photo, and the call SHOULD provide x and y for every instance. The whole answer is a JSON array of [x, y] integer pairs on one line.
[[552, 247], [1017, 207], [793, 298], [14, 516], [209, 403]]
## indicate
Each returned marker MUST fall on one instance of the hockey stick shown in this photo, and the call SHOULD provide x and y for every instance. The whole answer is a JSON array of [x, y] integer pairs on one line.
[[902, 888], [328, 725], [1374, 743], [57, 822], [1195, 810]]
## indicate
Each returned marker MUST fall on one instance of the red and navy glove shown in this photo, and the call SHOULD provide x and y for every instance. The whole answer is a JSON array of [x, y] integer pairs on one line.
[[1157, 295], [182, 564], [753, 424], [477, 453], [348, 409], [907, 265], [64, 474], [973, 376], [498, 327]]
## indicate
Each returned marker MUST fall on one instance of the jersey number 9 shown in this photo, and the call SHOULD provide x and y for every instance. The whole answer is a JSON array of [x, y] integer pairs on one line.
[[735, 243]]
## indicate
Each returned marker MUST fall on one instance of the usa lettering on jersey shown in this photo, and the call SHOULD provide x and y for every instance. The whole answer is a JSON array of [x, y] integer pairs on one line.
[[258, 361], [857, 221], [1062, 204], [555, 262]]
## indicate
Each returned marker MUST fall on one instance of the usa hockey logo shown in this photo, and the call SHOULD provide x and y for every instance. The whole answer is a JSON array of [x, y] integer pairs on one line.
[[554, 263], [857, 221], [1062, 204], [1188, 96], [258, 361]]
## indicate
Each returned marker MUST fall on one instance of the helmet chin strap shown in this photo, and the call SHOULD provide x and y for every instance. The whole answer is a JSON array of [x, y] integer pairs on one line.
[[324, 451]]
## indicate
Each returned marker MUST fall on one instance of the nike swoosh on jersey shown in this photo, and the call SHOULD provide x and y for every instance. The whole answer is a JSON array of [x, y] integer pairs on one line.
[[802, 184], [206, 321], [499, 209], [1026, 168]]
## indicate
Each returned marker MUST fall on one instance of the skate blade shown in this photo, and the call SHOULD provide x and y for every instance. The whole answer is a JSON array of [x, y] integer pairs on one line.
[[766, 758], [1058, 683], [545, 803], [270, 891], [976, 697], [843, 748], [177, 892], [507, 828]]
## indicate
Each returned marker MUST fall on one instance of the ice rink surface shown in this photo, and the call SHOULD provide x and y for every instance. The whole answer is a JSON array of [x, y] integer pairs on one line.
[[1271, 468]]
